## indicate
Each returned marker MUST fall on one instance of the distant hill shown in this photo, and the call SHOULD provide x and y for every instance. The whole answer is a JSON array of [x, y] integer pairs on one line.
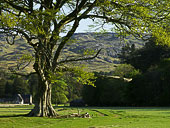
[[110, 43], [9, 54]]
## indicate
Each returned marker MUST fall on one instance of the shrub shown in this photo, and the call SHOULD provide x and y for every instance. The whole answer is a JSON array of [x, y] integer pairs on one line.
[[126, 70]]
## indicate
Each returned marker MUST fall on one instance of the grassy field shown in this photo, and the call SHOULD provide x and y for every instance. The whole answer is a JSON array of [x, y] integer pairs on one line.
[[111, 117]]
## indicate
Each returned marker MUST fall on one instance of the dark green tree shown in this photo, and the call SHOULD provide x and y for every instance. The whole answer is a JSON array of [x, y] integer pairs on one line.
[[9, 88], [146, 57], [33, 85], [125, 70], [126, 51], [152, 87], [108, 91], [20, 86], [2, 87]]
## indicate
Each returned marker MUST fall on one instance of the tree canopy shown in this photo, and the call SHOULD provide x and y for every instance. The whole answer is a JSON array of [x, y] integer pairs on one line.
[[146, 57], [41, 22]]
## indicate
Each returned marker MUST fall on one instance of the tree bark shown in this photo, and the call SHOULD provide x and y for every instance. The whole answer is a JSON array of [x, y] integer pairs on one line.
[[43, 106]]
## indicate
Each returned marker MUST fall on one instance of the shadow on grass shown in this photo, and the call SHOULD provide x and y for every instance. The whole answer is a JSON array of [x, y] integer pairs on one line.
[[16, 107], [17, 115]]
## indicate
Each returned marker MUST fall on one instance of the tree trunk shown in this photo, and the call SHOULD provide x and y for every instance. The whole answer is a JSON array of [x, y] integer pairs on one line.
[[43, 106]]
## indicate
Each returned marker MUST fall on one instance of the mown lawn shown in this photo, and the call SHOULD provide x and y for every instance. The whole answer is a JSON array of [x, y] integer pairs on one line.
[[111, 117]]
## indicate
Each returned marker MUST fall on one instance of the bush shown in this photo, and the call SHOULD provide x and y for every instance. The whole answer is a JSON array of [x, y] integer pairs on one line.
[[126, 70]]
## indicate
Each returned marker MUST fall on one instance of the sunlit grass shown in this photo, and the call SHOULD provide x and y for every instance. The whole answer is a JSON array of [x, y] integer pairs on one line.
[[111, 117]]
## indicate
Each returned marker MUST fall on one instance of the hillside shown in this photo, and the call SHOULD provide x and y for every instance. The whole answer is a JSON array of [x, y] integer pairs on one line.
[[9, 54], [80, 42]]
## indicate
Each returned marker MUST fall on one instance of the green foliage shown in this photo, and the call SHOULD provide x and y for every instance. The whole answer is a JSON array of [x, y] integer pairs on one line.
[[89, 52], [6, 88], [20, 86], [33, 85], [151, 88], [11, 85], [24, 61], [67, 83], [25, 58], [125, 70], [146, 89], [77, 73], [108, 91], [2, 87], [141, 16], [9, 88], [82, 76], [148, 56], [59, 91]]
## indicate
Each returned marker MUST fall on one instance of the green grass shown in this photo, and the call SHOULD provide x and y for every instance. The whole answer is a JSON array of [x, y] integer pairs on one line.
[[111, 117]]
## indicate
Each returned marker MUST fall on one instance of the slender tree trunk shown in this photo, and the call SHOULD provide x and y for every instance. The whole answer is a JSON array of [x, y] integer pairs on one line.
[[43, 106]]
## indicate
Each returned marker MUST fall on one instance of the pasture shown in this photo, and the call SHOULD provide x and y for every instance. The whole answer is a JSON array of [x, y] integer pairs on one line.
[[101, 117]]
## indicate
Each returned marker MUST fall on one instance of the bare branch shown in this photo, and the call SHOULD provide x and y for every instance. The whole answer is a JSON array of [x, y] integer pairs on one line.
[[60, 3], [22, 68], [80, 59], [64, 41], [9, 42], [72, 15], [108, 19]]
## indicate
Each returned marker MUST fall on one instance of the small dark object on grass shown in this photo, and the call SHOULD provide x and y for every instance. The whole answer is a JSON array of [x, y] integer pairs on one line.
[[86, 115]]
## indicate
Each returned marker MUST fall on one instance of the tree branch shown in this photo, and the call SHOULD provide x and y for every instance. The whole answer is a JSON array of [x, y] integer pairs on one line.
[[60, 3], [22, 74], [10, 31], [19, 65], [64, 41], [108, 19], [72, 15], [22, 9], [80, 59], [13, 40]]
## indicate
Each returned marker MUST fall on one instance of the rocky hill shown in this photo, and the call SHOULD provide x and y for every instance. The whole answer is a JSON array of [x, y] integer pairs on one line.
[[80, 43]]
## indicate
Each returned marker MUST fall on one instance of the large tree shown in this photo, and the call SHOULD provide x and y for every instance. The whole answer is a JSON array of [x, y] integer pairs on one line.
[[41, 22]]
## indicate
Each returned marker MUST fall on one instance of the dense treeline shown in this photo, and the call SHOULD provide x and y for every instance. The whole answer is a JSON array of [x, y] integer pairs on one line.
[[146, 89], [149, 68], [151, 88], [108, 92], [62, 92], [146, 57], [10, 85]]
